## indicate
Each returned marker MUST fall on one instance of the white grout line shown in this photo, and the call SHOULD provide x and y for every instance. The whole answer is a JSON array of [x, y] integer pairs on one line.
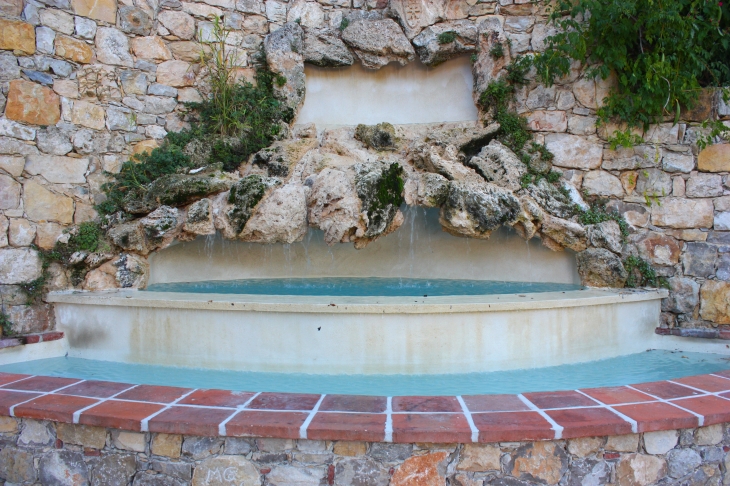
[[555, 426], [77, 413], [388, 420], [634, 425], [17, 381], [12, 409], [222, 425], [704, 392], [303, 428], [719, 376], [469, 419], [700, 418], [144, 424]]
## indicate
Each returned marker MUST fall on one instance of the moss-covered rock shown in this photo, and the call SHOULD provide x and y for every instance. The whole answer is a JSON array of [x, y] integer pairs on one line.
[[552, 199], [380, 188], [178, 190], [476, 209], [377, 137], [244, 196]]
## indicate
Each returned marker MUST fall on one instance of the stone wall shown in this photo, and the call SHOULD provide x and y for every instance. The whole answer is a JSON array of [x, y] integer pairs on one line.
[[86, 84], [33, 452]]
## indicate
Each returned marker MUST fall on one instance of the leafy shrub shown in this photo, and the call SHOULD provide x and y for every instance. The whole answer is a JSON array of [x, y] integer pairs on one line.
[[447, 37]]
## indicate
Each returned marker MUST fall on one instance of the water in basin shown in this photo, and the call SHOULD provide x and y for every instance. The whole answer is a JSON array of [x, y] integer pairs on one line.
[[641, 367], [364, 287]]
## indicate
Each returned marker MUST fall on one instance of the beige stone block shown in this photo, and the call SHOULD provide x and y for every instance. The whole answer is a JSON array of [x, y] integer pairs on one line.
[[83, 435], [145, 146], [44, 205], [21, 232], [57, 168], [68, 88], [8, 425], [105, 10], [47, 235], [85, 212], [189, 95], [479, 457], [130, 441], [585, 446], [683, 213], [12, 164], [350, 448], [17, 36], [711, 435], [623, 443], [32, 103], [547, 121], [9, 192], [715, 158], [168, 445], [715, 301], [11, 8], [640, 470], [152, 48], [179, 23], [660, 442], [88, 115], [3, 231], [574, 152], [228, 470], [176, 73], [187, 50], [73, 49]]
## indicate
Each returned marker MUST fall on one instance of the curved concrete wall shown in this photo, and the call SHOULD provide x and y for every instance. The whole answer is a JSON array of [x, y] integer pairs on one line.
[[412, 93], [420, 249]]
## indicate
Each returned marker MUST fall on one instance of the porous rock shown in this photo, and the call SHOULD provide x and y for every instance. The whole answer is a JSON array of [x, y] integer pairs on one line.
[[640, 470], [283, 50], [378, 42], [243, 197], [476, 209], [544, 462], [599, 267], [431, 46], [566, 233], [377, 137], [281, 217], [551, 199], [324, 48], [605, 235], [715, 301], [179, 190], [333, 205], [497, 163]]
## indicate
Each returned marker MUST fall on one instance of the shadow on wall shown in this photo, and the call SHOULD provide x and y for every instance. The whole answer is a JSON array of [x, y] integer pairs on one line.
[[397, 94], [419, 249]]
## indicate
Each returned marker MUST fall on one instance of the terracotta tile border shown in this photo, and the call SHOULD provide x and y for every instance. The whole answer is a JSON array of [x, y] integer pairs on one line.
[[682, 403]]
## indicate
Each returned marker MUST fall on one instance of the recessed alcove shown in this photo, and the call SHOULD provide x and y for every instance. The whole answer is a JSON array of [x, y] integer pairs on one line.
[[413, 93]]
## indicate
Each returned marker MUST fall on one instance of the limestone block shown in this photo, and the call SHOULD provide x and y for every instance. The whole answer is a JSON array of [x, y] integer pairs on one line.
[[134, 20], [43, 205], [19, 265], [283, 49], [32, 103], [114, 469], [54, 141], [8, 425], [85, 28], [176, 73], [715, 158], [31, 318], [360, 470], [21, 232], [722, 221], [574, 152], [17, 36], [715, 301], [602, 183], [599, 267], [683, 296], [683, 213], [44, 37], [640, 470], [206, 12], [415, 15], [67, 88], [58, 466], [152, 48], [622, 443], [179, 23], [47, 235], [58, 169], [544, 461], [660, 442], [309, 15], [699, 259], [112, 47], [83, 435], [711, 435], [73, 49], [678, 162], [11, 8], [12, 164], [225, 470], [17, 465], [704, 185], [682, 462], [189, 95], [585, 446], [130, 441], [255, 24], [88, 115], [9, 192], [378, 42], [119, 119], [479, 458], [167, 445], [105, 10], [57, 20], [324, 48], [350, 448]]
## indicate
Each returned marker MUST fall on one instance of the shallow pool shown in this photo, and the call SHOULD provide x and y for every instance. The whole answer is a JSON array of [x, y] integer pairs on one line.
[[642, 367], [366, 286]]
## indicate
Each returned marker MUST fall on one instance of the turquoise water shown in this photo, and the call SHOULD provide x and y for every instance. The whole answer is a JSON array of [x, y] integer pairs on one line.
[[364, 287], [636, 368]]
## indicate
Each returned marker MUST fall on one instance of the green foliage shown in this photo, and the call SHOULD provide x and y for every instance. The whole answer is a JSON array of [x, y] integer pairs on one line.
[[388, 192], [447, 37], [642, 274], [517, 70], [715, 128], [496, 99], [597, 213], [6, 324], [497, 51], [624, 138], [344, 23], [662, 52], [237, 120]]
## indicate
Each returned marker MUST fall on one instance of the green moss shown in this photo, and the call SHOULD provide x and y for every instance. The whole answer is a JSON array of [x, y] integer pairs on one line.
[[447, 37], [344, 23], [597, 213], [378, 137], [244, 196], [5, 324], [497, 51], [642, 274], [381, 196]]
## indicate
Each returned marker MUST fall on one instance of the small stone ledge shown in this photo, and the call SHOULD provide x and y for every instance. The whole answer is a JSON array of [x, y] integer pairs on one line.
[[721, 332], [43, 337]]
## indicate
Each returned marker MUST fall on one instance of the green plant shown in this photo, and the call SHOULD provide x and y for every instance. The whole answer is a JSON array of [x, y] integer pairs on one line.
[[344, 23], [517, 70], [497, 51], [624, 138], [642, 274], [447, 37], [662, 52], [597, 213], [5, 324]]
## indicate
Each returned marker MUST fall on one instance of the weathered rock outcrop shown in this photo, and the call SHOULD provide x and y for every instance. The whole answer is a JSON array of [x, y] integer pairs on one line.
[[284, 57], [476, 209], [496, 163], [325, 48], [378, 42], [441, 42], [599, 267], [179, 190]]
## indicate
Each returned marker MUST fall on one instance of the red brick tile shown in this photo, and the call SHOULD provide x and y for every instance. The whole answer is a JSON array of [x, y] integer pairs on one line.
[[613, 395], [32, 338], [354, 403], [512, 426], [52, 336], [60, 408], [708, 383], [347, 426], [42, 383], [431, 427], [99, 389], [284, 401], [725, 373], [6, 378], [665, 390], [494, 403], [217, 398], [151, 393], [559, 399], [259, 423], [426, 404], [583, 422], [10, 398], [189, 421], [714, 409], [658, 416], [118, 414]]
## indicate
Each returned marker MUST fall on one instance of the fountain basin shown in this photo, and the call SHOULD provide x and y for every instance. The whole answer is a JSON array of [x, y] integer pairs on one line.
[[357, 335]]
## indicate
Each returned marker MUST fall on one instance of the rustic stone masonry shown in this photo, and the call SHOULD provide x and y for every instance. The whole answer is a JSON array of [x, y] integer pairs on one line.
[[83, 85]]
